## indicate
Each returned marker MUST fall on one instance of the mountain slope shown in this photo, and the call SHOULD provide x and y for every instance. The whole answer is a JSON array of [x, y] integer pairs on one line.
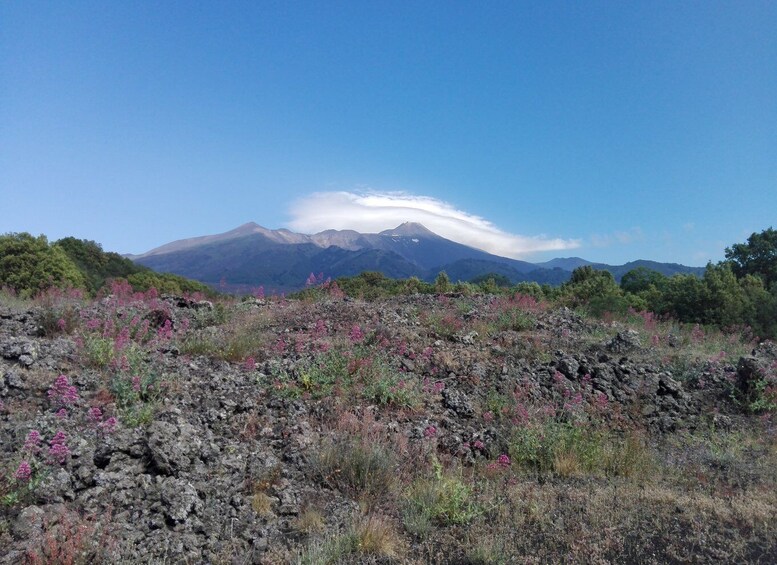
[[281, 260]]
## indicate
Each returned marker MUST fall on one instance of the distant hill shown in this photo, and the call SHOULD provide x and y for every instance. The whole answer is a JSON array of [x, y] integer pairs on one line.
[[564, 263], [281, 260]]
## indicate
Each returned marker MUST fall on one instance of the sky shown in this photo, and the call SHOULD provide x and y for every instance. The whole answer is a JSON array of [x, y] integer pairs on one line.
[[612, 131]]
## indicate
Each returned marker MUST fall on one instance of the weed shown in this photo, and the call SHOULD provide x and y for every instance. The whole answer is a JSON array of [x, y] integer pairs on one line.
[[366, 536], [136, 397], [443, 499], [566, 449], [357, 466], [309, 521]]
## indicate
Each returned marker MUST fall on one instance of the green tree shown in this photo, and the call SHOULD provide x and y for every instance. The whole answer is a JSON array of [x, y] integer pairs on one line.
[[684, 297], [442, 283], [756, 257], [97, 265], [595, 289], [641, 279], [761, 312], [726, 301], [29, 265]]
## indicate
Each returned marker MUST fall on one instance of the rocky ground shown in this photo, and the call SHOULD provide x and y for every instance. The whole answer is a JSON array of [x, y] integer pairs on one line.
[[415, 429]]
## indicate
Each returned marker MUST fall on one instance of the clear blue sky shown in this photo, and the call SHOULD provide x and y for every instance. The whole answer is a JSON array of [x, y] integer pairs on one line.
[[628, 129]]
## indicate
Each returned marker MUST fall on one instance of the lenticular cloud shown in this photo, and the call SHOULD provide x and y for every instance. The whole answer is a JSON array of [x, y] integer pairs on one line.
[[374, 212]]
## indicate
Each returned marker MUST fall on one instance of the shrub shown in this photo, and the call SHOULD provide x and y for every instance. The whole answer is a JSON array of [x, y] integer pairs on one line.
[[443, 499], [566, 449], [30, 265], [357, 466], [367, 535]]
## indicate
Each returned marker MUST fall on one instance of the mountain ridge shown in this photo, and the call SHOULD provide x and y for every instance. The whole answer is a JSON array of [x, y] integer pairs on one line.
[[252, 255]]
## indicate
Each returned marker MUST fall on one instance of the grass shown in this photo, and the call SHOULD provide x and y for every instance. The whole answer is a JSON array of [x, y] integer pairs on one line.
[[366, 536], [442, 499], [569, 450], [359, 467]]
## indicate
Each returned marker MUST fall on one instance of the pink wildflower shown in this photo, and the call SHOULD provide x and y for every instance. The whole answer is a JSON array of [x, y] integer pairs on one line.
[[356, 335], [166, 331], [109, 425], [23, 472], [58, 450], [430, 431], [62, 392], [32, 443]]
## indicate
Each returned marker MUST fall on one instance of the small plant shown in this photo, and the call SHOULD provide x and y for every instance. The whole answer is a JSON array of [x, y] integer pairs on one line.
[[445, 325], [309, 521], [72, 539], [59, 311], [367, 535], [358, 466], [136, 397], [566, 449], [443, 499]]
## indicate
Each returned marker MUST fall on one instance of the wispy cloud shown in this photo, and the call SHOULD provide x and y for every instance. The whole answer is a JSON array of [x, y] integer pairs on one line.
[[373, 212], [619, 237]]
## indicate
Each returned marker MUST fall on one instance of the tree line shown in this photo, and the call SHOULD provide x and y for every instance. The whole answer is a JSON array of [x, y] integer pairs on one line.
[[30, 265]]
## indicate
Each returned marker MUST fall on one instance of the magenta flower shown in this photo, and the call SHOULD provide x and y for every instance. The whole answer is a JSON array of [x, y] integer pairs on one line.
[[23, 472], [430, 431], [62, 392], [32, 443], [109, 425], [95, 414], [166, 331], [356, 334], [58, 450], [503, 460]]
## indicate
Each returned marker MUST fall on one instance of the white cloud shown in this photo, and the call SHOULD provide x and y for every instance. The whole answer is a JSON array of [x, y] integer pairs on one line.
[[374, 212]]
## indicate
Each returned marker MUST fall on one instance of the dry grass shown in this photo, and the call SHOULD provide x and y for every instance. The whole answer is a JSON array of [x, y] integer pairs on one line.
[[376, 535], [262, 503], [309, 521]]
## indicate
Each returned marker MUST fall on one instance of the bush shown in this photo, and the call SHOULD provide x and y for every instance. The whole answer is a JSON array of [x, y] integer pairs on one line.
[[443, 499], [357, 466], [566, 449], [30, 265]]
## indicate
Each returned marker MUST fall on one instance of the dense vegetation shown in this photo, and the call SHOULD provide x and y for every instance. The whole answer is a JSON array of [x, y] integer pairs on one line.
[[738, 292], [29, 265]]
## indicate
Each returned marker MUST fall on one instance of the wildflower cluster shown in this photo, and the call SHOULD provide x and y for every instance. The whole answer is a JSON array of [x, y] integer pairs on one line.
[[62, 392]]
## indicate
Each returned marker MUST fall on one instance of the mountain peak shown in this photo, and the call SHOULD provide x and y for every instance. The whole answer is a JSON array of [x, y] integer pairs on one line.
[[248, 227], [410, 229]]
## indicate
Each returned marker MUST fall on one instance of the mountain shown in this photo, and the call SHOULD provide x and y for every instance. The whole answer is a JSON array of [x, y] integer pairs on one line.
[[564, 263], [281, 260]]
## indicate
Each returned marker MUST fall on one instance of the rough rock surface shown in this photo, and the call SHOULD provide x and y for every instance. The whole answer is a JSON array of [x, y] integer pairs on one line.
[[179, 484]]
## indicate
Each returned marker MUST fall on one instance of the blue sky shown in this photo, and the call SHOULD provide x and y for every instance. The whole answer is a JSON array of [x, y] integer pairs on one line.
[[607, 130]]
